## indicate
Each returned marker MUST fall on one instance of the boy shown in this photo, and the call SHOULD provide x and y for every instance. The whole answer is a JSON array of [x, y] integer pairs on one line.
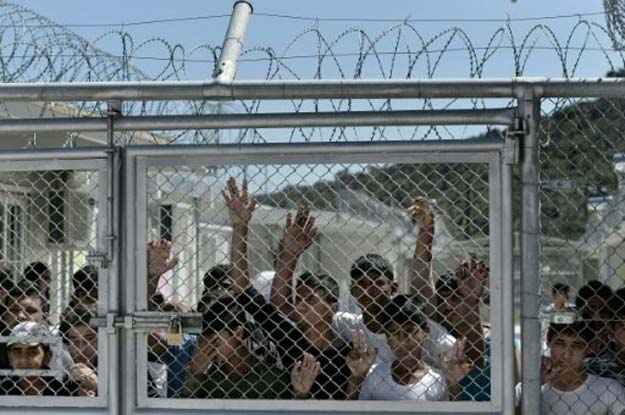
[[81, 340], [407, 376], [223, 367], [27, 352], [567, 387], [614, 366], [316, 357]]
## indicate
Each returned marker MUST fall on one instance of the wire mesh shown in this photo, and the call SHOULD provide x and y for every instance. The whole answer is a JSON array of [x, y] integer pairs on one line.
[[329, 247], [49, 292]]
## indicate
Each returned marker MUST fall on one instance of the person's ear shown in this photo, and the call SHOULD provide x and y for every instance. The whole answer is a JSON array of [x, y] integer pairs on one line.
[[47, 357], [394, 288], [239, 332]]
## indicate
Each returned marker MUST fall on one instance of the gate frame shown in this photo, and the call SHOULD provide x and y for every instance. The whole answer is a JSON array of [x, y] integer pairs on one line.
[[498, 154], [92, 159]]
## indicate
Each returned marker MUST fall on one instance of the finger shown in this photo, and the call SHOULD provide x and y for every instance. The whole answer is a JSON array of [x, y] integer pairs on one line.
[[171, 264], [232, 187], [299, 215], [226, 196], [296, 368], [372, 355], [252, 205], [244, 193], [289, 220]]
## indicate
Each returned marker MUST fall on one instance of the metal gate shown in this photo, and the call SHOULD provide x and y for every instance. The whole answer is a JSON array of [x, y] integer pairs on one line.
[[181, 184]]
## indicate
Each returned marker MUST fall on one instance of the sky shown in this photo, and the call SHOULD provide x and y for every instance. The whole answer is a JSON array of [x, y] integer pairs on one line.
[[265, 31]]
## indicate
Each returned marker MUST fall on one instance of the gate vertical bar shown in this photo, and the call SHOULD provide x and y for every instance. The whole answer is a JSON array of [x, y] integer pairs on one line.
[[113, 228], [507, 240], [529, 107]]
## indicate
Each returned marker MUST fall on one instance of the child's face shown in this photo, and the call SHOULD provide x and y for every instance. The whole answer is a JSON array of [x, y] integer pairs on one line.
[[405, 340], [225, 345], [312, 306], [24, 356], [372, 289], [568, 351], [83, 344], [618, 335], [24, 309]]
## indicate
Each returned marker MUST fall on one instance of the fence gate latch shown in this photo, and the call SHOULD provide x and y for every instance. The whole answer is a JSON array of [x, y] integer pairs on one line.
[[98, 259], [512, 143]]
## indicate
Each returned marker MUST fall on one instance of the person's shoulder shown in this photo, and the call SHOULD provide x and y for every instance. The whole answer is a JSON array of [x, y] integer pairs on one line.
[[605, 384]]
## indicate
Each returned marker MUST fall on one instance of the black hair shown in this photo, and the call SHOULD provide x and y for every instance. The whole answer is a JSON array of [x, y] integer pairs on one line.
[[402, 310], [85, 279], [72, 317], [371, 264], [224, 313], [321, 282], [7, 279], [215, 278], [580, 329], [560, 288], [592, 289], [36, 271], [25, 289], [446, 283], [617, 306]]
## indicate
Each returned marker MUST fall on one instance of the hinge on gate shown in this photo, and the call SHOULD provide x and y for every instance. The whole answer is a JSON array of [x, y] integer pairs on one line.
[[512, 143], [98, 259]]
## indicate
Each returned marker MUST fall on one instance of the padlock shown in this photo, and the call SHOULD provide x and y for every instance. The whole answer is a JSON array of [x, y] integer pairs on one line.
[[174, 336]]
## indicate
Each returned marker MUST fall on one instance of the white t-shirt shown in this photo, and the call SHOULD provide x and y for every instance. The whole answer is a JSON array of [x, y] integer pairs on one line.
[[596, 396], [437, 342], [380, 386]]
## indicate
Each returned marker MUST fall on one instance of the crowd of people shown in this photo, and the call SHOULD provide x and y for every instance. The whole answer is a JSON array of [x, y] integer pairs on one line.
[[429, 345]]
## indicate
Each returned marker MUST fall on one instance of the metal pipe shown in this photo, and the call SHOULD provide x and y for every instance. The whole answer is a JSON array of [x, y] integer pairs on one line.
[[47, 154], [530, 259], [215, 90], [233, 42], [507, 240], [504, 116], [313, 149]]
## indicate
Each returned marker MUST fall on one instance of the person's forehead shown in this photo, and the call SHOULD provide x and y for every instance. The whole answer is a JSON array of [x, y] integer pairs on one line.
[[371, 276], [23, 347], [26, 300]]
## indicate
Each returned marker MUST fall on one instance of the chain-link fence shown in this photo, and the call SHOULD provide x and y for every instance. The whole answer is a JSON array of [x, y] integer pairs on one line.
[[48, 232]]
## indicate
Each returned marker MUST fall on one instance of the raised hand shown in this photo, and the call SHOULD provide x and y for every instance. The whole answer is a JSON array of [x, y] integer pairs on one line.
[[361, 357], [453, 363], [159, 258], [85, 377], [549, 370], [240, 205], [421, 213], [472, 277], [300, 233], [303, 375]]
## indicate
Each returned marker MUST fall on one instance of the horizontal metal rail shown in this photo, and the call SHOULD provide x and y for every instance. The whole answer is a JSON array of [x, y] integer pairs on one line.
[[314, 89], [504, 116], [313, 149]]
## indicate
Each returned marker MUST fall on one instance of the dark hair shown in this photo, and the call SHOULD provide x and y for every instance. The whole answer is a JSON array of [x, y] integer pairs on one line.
[[86, 279], [223, 313], [446, 284], [215, 278], [25, 289], [321, 282], [74, 316], [402, 310], [580, 329], [617, 306], [371, 264], [7, 279], [36, 271], [592, 289], [560, 288]]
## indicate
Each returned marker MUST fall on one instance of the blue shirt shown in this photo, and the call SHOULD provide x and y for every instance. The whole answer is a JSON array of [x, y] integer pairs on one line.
[[177, 359]]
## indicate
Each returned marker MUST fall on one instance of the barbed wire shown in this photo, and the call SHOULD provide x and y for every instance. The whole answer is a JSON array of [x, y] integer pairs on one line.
[[35, 49]]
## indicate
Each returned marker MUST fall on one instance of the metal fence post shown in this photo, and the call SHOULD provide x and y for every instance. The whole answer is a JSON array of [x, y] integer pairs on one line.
[[529, 106], [227, 64]]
